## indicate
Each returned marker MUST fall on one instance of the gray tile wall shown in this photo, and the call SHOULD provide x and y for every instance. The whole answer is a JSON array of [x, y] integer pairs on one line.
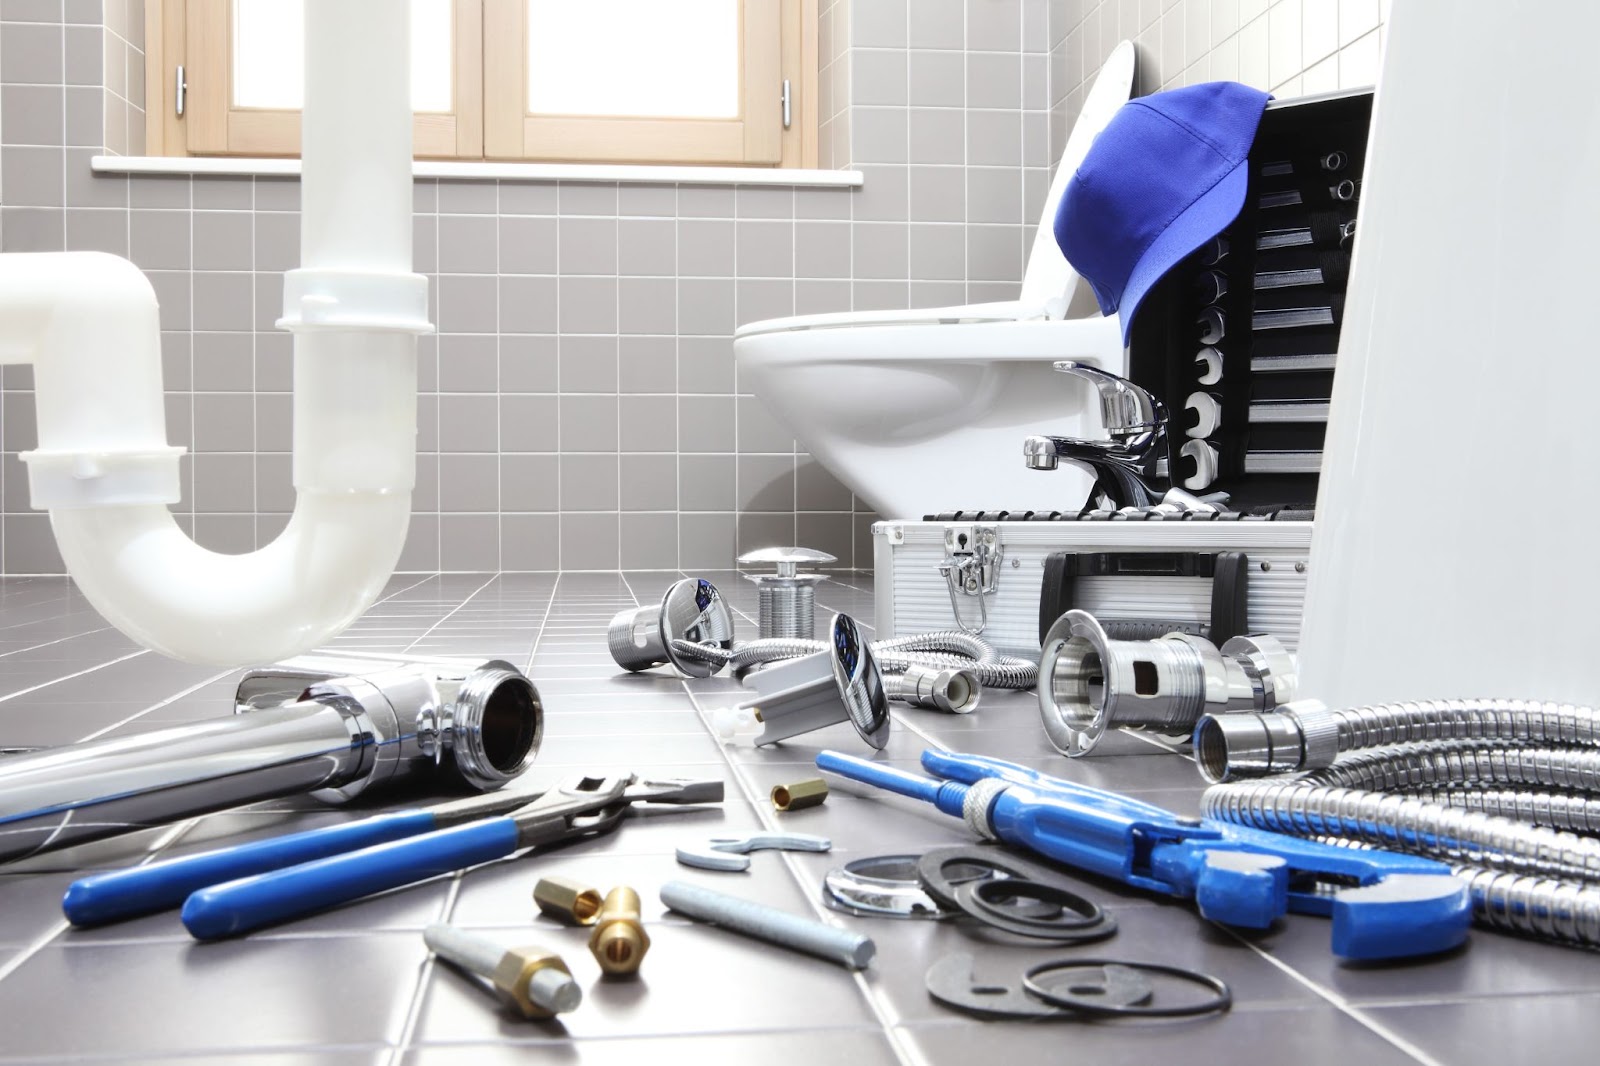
[[580, 406], [1287, 47]]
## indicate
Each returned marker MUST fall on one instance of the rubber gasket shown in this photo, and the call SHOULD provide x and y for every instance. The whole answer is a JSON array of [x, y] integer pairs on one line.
[[950, 981], [1220, 1001], [1076, 912], [1088, 921], [933, 866]]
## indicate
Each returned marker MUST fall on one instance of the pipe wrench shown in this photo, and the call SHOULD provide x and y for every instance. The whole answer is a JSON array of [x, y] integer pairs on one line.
[[1383, 905]]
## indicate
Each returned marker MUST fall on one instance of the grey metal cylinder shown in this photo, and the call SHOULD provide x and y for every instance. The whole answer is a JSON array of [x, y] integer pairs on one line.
[[757, 920], [478, 725], [939, 689], [1089, 683], [692, 610]]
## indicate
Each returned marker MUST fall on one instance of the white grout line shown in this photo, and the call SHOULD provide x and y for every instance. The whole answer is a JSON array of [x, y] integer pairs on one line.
[[58, 640], [69, 677]]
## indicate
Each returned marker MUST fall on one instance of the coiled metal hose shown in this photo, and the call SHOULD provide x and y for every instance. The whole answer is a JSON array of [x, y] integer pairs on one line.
[[1523, 877], [1464, 763], [944, 648], [1386, 724]]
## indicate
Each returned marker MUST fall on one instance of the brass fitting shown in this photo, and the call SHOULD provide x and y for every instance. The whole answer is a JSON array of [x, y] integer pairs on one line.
[[566, 900], [537, 982], [619, 941], [799, 795]]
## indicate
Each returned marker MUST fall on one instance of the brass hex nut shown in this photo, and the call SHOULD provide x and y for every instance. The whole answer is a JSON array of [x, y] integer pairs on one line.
[[619, 942], [801, 794], [567, 900], [516, 969]]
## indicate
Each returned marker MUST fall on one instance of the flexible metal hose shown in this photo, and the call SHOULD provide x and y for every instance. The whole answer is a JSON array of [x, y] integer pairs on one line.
[[1555, 810], [1386, 724], [945, 648], [1557, 910], [1458, 763], [1302, 808]]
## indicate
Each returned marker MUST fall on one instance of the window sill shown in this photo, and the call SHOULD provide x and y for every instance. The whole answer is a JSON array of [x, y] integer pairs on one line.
[[477, 171]]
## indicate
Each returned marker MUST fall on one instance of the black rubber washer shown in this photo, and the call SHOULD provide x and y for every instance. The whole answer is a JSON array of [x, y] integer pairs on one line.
[[933, 867], [952, 981], [1221, 1001], [1087, 921], [1075, 911]]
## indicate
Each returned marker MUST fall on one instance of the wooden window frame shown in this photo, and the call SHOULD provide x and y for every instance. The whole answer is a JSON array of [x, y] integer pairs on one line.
[[490, 119]]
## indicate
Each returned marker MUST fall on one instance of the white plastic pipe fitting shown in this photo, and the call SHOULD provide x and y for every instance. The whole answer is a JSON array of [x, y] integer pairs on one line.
[[88, 323]]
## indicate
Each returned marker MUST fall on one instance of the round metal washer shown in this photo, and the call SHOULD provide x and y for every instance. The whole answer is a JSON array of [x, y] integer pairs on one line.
[[882, 886], [952, 981], [1087, 922], [1094, 1003], [933, 870]]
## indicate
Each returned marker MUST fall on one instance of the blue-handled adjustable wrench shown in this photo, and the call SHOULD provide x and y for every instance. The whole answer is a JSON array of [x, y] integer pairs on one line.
[[1383, 904]]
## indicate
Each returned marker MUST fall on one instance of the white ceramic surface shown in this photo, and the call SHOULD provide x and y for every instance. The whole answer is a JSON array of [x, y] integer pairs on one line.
[[925, 411]]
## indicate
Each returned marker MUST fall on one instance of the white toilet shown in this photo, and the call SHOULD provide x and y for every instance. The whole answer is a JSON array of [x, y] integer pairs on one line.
[[925, 411]]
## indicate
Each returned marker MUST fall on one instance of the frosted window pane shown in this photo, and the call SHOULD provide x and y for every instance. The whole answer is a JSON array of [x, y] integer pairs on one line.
[[634, 57], [269, 54]]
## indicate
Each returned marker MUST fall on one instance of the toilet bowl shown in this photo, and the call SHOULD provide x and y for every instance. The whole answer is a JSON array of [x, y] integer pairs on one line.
[[923, 411]]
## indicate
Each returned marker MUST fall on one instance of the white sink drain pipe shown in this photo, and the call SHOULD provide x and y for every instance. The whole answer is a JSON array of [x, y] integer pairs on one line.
[[103, 468]]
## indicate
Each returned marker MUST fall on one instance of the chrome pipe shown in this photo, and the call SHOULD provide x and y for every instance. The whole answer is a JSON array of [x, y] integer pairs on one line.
[[473, 725]]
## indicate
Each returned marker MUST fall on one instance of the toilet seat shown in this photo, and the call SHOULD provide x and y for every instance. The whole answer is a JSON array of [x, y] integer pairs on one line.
[[1049, 281]]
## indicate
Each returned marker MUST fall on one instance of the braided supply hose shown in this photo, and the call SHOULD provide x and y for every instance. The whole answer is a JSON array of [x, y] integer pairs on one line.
[[1306, 735]]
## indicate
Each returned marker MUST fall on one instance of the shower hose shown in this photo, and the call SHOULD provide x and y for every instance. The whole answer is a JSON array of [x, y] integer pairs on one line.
[[943, 649], [1505, 791]]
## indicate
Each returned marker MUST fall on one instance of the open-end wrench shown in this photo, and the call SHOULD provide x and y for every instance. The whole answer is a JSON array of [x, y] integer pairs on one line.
[[732, 853]]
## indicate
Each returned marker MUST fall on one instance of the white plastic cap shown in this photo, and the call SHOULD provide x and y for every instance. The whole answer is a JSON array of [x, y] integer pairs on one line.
[[67, 480]]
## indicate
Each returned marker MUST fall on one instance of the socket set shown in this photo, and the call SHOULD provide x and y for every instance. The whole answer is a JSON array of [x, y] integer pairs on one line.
[[1240, 339]]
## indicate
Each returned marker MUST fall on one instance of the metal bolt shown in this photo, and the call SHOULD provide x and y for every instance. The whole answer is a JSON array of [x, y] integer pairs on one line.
[[535, 981], [1299, 568], [1266, 564], [756, 920]]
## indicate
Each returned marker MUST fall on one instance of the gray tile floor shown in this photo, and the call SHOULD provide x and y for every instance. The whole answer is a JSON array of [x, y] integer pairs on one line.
[[355, 985]]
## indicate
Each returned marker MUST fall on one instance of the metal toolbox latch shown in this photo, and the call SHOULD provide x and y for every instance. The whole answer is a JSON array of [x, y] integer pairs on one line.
[[971, 567]]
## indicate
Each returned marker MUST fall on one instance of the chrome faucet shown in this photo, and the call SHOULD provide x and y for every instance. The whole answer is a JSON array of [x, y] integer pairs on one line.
[[1125, 465]]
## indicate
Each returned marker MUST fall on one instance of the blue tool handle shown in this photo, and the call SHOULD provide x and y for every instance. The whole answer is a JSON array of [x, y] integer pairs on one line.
[[122, 894], [252, 902], [945, 795]]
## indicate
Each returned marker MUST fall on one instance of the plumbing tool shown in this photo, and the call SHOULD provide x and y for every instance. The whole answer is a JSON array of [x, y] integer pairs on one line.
[[1335, 160], [1209, 363], [1205, 460], [691, 610], [753, 919], [1347, 234], [787, 600], [582, 807], [1280, 364], [619, 942], [1214, 251], [533, 980], [1346, 191], [122, 894], [1291, 318], [1210, 286], [1090, 683], [1404, 906], [1281, 412], [812, 792], [1283, 462], [841, 683], [1284, 198], [568, 901], [1280, 169], [733, 853], [1213, 325], [1269, 239], [1207, 408], [385, 723], [1288, 279]]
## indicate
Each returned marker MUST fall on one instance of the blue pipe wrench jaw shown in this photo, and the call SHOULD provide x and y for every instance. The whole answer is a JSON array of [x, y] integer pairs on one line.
[[1382, 904]]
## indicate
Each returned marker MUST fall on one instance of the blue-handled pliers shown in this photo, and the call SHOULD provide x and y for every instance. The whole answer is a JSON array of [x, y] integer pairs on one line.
[[236, 889], [1383, 904]]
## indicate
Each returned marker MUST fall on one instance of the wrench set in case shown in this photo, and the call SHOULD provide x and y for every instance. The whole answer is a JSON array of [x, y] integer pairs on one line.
[[1238, 342], [1240, 339]]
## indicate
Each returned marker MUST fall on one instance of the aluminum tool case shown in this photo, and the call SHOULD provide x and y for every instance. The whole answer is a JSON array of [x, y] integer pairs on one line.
[[914, 596]]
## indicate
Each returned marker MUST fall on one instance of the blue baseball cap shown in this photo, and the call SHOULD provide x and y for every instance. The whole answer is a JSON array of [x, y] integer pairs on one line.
[[1166, 175]]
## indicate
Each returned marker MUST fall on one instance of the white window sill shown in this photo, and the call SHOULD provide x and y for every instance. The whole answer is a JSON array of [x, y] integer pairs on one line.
[[475, 171]]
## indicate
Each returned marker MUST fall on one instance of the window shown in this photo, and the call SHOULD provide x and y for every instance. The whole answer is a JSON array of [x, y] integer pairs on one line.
[[611, 81]]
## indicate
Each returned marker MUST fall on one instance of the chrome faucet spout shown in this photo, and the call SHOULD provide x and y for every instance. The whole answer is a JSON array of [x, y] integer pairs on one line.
[[1124, 466]]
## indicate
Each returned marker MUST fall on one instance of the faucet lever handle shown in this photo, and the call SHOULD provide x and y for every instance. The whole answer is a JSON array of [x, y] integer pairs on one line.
[[1125, 408]]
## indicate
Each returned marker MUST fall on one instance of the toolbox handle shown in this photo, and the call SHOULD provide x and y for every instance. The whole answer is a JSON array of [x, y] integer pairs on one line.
[[1228, 571]]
